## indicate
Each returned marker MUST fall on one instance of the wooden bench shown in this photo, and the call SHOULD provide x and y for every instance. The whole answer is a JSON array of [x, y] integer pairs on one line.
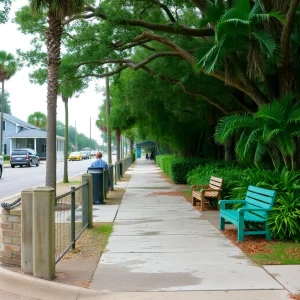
[[205, 193], [255, 208]]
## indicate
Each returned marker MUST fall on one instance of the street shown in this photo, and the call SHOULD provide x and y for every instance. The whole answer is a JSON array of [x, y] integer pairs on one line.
[[15, 180]]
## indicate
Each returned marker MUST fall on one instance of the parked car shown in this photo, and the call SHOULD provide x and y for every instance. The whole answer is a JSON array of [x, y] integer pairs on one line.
[[75, 156], [24, 157], [1, 166], [85, 154]]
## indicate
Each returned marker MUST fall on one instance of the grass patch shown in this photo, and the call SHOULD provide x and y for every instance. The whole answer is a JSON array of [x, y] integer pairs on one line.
[[105, 230], [279, 253]]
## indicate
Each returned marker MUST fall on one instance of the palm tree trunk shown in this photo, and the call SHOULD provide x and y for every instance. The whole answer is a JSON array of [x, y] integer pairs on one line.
[[1, 127], [66, 177], [53, 33]]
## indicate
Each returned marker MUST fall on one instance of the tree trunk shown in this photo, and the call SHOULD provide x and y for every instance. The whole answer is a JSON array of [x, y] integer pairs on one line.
[[131, 146], [1, 119], [118, 142], [66, 177], [53, 34], [229, 150]]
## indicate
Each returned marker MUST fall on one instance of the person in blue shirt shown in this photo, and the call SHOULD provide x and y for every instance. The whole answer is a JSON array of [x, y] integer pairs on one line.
[[99, 162]]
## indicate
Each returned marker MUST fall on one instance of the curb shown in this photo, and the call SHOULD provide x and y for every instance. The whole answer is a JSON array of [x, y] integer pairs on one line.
[[27, 286]]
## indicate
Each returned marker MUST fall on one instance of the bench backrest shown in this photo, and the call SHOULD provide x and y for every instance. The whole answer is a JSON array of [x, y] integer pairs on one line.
[[259, 198], [214, 183]]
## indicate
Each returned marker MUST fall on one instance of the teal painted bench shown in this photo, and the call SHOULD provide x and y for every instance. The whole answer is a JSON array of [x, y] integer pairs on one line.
[[255, 208]]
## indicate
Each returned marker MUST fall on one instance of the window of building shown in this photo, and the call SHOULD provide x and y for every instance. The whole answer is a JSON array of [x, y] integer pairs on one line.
[[3, 125]]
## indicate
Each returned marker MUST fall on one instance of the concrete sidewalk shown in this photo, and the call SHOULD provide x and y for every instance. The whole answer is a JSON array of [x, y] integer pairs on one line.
[[161, 247], [160, 243]]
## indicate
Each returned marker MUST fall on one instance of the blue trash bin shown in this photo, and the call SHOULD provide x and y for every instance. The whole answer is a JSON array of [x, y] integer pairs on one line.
[[98, 185]]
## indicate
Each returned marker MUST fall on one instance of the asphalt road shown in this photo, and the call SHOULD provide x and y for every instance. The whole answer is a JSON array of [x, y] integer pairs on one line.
[[15, 180]]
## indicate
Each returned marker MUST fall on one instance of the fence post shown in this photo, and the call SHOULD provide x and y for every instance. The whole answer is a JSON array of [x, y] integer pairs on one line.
[[43, 232], [111, 176], [73, 233], [89, 178], [26, 232]]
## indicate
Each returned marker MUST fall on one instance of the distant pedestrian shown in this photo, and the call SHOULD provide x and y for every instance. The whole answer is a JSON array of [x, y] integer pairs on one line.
[[147, 157], [152, 155]]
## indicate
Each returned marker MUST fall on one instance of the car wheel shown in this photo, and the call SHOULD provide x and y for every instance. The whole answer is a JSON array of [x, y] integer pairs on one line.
[[0, 172], [21, 166], [38, 163], [12, 166]]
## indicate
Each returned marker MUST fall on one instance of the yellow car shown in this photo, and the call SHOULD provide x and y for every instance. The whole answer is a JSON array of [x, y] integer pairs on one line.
[[75, 156]]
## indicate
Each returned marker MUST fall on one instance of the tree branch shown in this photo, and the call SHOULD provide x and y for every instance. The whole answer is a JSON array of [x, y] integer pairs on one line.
[[77, 17], [287, 29], [166, 9], [245, 85], [186, 91]]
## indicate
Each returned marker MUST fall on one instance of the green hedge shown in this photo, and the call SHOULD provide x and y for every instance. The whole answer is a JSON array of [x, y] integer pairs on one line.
[[6, 157], [177, 168]]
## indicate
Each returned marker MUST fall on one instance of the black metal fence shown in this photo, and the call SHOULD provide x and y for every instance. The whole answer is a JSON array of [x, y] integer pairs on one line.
[[71, 218]]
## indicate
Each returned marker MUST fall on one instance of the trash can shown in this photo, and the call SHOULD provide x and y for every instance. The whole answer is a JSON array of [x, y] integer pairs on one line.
[[98, 185]]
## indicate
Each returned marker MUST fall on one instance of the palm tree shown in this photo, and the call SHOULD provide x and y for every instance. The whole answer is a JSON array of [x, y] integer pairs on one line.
[[272, 130], [38, 119], [57, 11], [8, 68], [243, 45]]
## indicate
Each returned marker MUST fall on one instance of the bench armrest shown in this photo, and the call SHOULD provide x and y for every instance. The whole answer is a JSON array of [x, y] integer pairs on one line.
[[223, 203], [199, 186], [242, 210], [212, 190]]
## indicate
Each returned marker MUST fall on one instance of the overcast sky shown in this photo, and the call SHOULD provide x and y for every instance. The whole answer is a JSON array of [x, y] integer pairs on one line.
[[26, 98]]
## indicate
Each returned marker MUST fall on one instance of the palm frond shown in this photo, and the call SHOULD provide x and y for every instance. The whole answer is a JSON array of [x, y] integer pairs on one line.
[[266, 41], [260, 151], [230, 125]]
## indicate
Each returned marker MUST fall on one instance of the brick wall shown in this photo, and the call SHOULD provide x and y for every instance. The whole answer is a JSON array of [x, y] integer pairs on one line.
[[10, 237]]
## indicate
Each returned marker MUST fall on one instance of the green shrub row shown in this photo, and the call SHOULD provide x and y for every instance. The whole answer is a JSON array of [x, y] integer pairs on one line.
[[177, 168], [6, 157]]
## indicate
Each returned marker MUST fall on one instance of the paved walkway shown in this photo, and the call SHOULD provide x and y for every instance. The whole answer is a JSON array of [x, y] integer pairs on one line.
[[160, 243]]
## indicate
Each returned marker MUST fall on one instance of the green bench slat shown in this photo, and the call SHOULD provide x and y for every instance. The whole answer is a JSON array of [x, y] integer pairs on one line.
[[260, 198], [261, 191]]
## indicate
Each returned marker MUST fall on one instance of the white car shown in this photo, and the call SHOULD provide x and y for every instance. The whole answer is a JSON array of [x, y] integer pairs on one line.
[[1, 165]]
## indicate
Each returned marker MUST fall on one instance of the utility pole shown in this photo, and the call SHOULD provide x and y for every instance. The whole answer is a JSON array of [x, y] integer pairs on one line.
[[107, 117]]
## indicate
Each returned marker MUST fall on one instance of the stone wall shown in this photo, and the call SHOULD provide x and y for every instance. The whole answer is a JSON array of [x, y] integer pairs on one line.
[[10, 236]]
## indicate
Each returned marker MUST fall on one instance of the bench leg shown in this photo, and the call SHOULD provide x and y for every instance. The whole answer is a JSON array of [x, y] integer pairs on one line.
[[268, 233], [194, 201], [222, 223], [241, 227]]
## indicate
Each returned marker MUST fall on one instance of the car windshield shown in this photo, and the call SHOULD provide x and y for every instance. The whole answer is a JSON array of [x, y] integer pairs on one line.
[[19, 152]]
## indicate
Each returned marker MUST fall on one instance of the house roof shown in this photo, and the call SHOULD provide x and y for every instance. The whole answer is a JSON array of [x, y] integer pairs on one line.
[[31, 133], [146, 144], [18, 121]]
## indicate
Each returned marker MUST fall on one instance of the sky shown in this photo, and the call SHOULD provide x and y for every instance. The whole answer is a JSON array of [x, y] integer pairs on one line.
[[26, 98]]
